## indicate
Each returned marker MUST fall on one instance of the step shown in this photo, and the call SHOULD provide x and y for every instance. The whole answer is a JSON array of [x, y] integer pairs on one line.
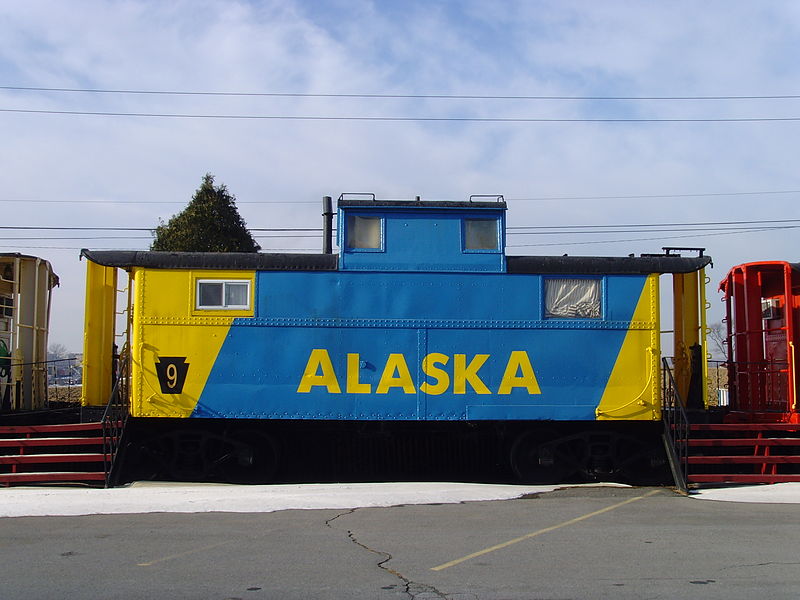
[[712, 442], [31, 459], [743, 460], [52, 477], [66, 427], [58, 441], [745, 427], [742, 478]]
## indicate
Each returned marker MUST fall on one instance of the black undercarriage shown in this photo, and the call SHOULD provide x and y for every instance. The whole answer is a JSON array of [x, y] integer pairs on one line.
[[259, 451]]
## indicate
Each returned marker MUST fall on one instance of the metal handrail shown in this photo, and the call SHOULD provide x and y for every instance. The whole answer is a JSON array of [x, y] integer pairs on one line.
[[115, 416], [676, 428]]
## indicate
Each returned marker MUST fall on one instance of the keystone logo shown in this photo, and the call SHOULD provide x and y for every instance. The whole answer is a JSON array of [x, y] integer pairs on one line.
[[171, 372]]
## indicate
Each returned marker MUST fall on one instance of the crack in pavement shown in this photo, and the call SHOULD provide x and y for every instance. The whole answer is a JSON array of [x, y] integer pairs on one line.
[[764, 564], [413, 589]]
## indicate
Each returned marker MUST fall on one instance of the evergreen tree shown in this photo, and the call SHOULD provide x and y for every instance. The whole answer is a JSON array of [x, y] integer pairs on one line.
[[210, 223]]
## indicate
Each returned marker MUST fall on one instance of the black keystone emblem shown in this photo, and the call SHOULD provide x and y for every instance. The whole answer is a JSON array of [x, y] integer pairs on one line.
[[171, 371]]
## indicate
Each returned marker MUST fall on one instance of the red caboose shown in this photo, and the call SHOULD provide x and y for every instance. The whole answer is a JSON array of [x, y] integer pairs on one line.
[[763, 317]]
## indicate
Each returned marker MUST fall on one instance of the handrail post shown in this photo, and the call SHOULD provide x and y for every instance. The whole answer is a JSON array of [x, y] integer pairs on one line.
[[676, 429], [115, 416]]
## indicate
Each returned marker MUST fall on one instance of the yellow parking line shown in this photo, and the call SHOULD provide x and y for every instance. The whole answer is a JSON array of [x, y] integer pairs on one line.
[[527, 536], [180, 555]]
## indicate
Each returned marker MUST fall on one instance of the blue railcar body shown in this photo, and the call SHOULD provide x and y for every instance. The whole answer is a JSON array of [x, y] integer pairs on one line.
[[375, 315]]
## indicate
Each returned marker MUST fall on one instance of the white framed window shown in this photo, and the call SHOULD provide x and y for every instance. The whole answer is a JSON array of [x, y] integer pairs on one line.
[[572, 298], [481, 234], [217, 294], [364, 233]]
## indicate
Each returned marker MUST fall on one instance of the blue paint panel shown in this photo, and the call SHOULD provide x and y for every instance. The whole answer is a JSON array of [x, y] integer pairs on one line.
[[259, 369], [262, 360], [541, 412], [443, 296], [423, 240], [571, 367], [421, 296]]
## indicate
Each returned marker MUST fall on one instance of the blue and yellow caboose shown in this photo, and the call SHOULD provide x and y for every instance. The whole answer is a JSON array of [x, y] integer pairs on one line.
[[420, 319]]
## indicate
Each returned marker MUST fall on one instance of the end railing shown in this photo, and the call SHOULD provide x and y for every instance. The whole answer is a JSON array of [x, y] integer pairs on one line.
[[115, 416], [676, 428]]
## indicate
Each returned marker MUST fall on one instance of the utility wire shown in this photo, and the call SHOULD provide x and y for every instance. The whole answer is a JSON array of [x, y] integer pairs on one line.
[[134, 202], [696, 224], [528, 199], [672, 237], [642, 196], [78, 248], [68, 228], [518, 227], [618, 241], [702, 230], [388, 96], [697, 232], [399, 119], [149, 238]]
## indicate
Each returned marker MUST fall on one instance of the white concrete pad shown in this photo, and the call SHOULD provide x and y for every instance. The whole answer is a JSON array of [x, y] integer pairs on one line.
[[148, 497], [191, 498], [776, 493]]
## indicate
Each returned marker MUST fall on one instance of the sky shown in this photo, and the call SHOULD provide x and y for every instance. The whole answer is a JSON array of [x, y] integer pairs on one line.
[[576, 155]]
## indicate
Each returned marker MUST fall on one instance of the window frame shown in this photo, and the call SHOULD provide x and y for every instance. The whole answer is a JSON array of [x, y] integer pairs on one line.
[[223, 307], [349, 230], [601, 301], [498, 242]]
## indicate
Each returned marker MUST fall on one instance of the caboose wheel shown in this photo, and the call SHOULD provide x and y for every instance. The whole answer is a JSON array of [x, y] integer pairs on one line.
[[537, 458], [641, 461], [241, 456], [254, 457]]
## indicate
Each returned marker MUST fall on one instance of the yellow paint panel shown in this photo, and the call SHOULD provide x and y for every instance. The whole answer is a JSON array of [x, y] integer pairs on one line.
[[98, 339], [167, 325], [633, 390], [199, 345]]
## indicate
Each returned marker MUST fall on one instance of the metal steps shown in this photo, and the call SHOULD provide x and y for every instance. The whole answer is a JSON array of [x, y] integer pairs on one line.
[[8, 479], [743, 453], [30, 453]]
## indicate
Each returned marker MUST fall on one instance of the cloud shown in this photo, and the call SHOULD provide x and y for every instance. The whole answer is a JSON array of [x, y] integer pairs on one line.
[[510, 48]]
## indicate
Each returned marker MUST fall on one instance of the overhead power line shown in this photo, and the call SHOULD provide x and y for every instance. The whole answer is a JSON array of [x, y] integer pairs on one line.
[[642, 196], [596, 229], [696, 233], [695, 224], [133, 202], [71, 228], [389, 96], [649, 239], [397, 119], [526, 199], [703, 230]]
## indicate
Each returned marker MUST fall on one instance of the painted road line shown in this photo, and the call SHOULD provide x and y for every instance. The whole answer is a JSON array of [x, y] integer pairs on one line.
[[180, 555], [528, 536]]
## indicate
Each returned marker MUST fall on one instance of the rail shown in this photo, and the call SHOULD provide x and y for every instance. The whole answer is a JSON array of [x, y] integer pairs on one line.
[[115, 416], [760, 386], [676, 428], [717, 388], [28, 386]]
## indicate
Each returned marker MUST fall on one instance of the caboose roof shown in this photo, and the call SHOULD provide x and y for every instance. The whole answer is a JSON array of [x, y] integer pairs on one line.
[[417, 204], [261, 261]]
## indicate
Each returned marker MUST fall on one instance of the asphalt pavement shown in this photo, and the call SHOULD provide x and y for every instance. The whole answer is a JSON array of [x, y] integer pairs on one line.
[[581, 542]]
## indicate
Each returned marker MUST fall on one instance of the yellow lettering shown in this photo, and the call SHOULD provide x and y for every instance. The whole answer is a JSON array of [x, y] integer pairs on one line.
[[319, 360], [396, 363], [463, 373], [354, 386], [519, 362], [440, 375]]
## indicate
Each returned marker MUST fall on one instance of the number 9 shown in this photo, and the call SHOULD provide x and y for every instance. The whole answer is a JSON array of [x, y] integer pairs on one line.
[[172, 376]]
